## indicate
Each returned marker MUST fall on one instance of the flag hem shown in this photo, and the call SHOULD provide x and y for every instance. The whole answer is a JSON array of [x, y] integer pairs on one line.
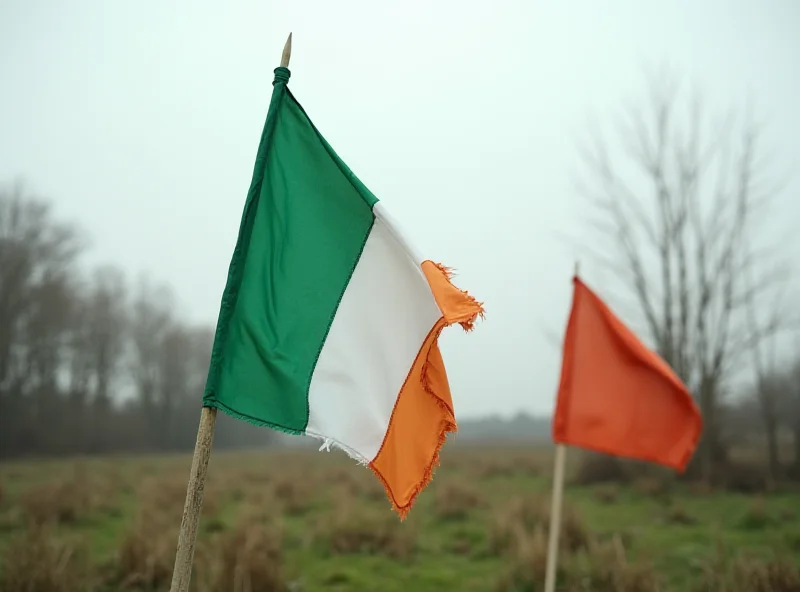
[[253, 420], [677, 466], [339, 445]]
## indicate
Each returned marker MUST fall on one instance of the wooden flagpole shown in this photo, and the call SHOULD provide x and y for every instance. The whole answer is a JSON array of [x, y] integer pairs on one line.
[[184, 556], [555, 518], [556, 500]]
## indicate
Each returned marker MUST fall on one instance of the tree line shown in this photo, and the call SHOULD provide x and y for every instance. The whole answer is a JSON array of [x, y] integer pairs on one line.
[[91, 361], [679, 200]]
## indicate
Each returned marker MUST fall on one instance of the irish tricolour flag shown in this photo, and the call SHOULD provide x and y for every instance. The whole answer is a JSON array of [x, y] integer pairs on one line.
[[329, 320]]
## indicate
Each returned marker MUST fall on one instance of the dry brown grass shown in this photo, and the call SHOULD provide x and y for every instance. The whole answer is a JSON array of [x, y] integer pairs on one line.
[[700, 488], [39, 561], [585, 563], [523, 518], [745, 477], [529, 466], [455, 500], [496, 469], [772, 576], [330, 520], [600, 468], [597, 567], [528, 562], [757, 516], [677, 514], [652, 486], [294, 495], [745, 574], [603, 567], [62, 502], [146, 554], [365, 531], [258, 478], [344, 480], [607, 493], [251, 560], [168, 495]]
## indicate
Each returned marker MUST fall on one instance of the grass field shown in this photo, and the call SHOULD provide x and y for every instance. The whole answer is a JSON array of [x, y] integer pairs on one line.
[[303, 520]]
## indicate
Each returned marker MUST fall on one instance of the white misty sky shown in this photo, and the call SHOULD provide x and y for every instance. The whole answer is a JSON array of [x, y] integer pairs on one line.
[[140, 120]]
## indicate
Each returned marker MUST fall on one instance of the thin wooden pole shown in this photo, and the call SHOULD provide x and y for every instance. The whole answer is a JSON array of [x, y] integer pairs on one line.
[[555, 518], [556, 500], [287, 52], [184, 556]]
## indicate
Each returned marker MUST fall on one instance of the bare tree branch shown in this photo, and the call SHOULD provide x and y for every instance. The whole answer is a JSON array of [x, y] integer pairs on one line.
[[681, 238]]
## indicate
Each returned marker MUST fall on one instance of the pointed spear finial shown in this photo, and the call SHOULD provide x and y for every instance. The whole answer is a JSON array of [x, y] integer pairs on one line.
[[287, 52], [577, 268]]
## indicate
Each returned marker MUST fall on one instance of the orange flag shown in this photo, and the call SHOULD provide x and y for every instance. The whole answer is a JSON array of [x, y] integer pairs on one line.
[[618, 397]]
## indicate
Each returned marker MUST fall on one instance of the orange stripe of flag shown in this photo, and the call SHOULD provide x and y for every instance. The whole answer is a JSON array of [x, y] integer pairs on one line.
[[423, 413]]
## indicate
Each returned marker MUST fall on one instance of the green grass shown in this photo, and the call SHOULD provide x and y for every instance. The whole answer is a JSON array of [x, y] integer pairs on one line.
[[299, 496]]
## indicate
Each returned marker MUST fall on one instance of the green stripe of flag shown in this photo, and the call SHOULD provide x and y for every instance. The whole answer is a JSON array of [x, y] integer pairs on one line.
[[305, 222]]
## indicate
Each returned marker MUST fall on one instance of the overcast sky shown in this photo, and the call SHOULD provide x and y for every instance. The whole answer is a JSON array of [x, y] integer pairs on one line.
[[140, 120]]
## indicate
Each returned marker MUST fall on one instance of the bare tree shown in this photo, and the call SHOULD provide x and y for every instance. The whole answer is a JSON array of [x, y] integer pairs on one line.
[[201, 339], [793, 410], [152, 319], [64, 336], [107, 324], [185, 357], [37, 256], [679, 202], [771, 379], [175, 375], [105, 333]]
